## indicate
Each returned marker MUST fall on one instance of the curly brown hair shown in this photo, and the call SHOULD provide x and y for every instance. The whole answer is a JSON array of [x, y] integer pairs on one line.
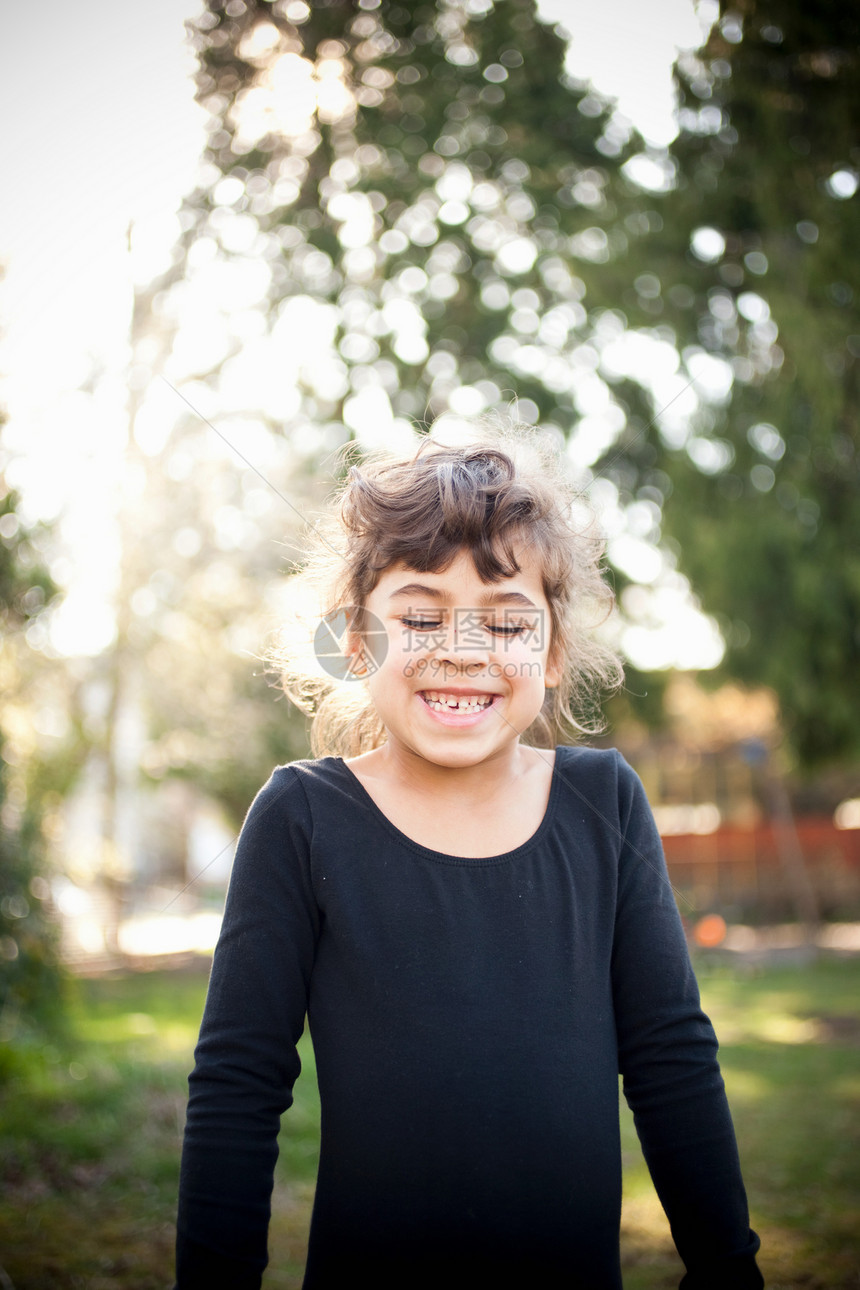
[[504, 490]]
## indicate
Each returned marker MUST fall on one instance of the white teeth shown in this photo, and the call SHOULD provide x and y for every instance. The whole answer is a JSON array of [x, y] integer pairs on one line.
[[443, 702]]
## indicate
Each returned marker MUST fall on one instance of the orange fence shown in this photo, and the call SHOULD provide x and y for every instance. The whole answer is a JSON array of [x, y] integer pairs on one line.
[[742, 869]]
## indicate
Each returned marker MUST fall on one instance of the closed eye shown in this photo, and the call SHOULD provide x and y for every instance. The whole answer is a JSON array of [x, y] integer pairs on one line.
[[507, 629], [422, 624]]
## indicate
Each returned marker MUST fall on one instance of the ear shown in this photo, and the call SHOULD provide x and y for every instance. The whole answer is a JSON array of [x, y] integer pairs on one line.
[[553, 670], [354, 646], [353, 649]]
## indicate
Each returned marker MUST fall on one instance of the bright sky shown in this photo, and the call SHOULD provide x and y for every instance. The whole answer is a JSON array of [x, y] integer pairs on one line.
[[101, 131]]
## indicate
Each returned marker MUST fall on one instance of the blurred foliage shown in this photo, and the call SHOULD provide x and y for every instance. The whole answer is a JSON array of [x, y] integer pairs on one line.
[[196, 604], [431, 172], [181, 693], [474, 223], [415, 304], [427, 191], [765, 500], [25, 586], [30, 978]]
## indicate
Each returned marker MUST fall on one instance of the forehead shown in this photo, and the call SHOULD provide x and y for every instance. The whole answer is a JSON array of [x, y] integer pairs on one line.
[[461, 582]]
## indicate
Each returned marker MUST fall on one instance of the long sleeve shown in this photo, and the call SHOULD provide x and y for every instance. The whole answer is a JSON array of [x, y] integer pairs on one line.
[[246, 1061], [668, 1060]]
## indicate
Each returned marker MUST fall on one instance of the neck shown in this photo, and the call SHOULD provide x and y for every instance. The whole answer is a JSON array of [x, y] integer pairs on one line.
[[476, 783]]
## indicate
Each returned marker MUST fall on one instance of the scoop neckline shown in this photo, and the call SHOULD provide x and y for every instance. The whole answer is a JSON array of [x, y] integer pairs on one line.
[[444, 857]]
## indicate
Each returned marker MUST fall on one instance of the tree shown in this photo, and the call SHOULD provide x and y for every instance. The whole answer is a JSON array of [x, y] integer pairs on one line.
[[432, 216], [29, 971], [437, 216], [195, 604], [179, 695], [435, 203], [757, 265]]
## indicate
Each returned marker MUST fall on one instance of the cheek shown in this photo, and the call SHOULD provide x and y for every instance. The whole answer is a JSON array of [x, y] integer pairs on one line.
[[401, 644], [403, 654]]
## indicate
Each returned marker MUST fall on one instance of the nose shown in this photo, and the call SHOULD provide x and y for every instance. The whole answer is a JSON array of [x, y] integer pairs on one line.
[[465, 643]]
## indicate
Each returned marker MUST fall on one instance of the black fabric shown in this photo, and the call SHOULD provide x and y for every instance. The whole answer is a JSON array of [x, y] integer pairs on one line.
[[469, 1020]]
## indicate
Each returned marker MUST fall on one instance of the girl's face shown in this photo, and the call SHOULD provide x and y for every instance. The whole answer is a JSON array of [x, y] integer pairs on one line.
[[467, 661]]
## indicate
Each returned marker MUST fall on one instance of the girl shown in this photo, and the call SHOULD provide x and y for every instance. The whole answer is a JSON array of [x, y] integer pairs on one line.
[[479, 928]]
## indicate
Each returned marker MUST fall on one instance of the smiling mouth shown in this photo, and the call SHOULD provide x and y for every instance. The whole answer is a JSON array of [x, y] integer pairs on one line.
[[440, 701]]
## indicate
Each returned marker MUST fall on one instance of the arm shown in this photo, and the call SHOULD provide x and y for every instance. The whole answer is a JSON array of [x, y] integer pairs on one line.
[[668, 1059], [246, 1061]]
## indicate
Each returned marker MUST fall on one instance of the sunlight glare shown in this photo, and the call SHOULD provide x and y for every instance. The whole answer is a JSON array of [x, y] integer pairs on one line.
[[672, 631], [713, 377], [626, 49], [71, 280]]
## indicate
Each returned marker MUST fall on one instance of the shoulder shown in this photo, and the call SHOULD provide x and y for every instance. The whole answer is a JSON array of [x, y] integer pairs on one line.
[[301, 774], [317, 778], [289, 790], [291, 816], [602, 768], [603, 778], [304, 791]]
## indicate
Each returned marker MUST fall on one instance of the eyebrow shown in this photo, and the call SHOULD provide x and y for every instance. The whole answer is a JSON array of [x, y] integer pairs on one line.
[[486, 598]]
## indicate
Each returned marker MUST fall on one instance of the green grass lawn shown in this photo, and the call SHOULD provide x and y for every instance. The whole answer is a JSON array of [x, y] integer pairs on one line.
[[90, 1133]]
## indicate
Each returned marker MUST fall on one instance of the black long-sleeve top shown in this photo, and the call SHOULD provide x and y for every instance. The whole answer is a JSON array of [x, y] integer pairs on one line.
[[469, 1020]]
